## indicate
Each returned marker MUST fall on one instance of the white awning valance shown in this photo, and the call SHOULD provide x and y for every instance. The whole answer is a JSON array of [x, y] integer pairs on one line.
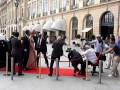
[[25, 28], [58, 25], [2, 37], [47, 25], [37, 28], [86, 29]]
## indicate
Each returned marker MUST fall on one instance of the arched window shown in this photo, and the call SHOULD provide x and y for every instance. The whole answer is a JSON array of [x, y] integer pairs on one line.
[[107, 24], [74, 27], [88, 23]]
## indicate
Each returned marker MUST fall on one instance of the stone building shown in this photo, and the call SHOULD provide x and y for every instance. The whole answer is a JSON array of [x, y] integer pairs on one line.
[[73, 17]]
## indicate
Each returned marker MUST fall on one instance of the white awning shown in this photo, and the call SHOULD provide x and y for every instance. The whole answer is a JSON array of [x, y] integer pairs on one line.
[[58, 25], [86, 29], [37, 27], [47, 25], [25, 28], [2, 37]]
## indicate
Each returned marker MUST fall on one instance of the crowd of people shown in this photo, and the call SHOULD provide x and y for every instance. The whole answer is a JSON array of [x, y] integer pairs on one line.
[[27, 51]]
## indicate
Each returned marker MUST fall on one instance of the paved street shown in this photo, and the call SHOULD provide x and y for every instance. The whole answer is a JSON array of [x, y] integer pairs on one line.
[[30, 82]]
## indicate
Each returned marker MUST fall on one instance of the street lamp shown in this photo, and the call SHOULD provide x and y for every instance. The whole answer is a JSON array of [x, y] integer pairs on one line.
[[16, 5]]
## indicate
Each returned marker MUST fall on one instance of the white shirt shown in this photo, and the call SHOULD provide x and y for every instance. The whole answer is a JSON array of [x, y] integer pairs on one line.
[[90, 55]]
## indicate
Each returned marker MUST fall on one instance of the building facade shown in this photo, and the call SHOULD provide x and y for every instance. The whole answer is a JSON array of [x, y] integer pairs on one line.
[[84, 17]]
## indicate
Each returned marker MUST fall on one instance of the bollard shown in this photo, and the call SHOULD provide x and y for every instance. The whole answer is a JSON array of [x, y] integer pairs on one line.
[[100, 67], [12, 62], [69, 63], [39, 67], [6, 73], [57, 68], [86, 69]]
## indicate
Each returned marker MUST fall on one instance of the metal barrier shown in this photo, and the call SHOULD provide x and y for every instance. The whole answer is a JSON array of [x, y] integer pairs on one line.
[[12, 65], [39, 68], [100, 69], [6, 72], [57, 68]]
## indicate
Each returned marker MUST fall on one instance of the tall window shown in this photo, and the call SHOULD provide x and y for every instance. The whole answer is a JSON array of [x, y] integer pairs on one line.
[[28, 12], [39, 8], [53, 6], [105, 0], [63, 5], [45, 7], [74, 4], [88, 2], [88, 23], [34, 9]]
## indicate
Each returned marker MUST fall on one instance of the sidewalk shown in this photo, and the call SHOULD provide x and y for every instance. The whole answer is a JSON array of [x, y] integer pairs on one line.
[[30, 82]]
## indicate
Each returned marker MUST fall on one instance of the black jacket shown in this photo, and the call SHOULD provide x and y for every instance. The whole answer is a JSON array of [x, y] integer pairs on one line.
[[16, 47], [74, 56], [57, 48], [25, 44]]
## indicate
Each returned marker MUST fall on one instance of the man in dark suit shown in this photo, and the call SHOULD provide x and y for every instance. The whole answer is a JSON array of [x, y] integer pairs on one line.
[[17, 53], [76, 59], [41, 46], [25, 45], [57, 52]]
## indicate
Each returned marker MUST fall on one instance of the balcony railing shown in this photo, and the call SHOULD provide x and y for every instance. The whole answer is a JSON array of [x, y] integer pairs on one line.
[[45, 13], [87, 3], [103, 1], [73, 7], [62, 9], [52, 11]]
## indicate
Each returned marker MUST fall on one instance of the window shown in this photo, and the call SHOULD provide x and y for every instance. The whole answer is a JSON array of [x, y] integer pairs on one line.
[[45, 7], [104, 1], [108, 19], [34, 10], [39, 8], [63, 5], [74, 4], [88, 2], [28, 12], [53, 6]]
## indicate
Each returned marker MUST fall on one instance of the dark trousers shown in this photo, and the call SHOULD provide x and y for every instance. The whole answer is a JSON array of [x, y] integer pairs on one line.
[[45, 57], [52, 63], [25, 58], [19, 61], [90, 63], [75, 66]]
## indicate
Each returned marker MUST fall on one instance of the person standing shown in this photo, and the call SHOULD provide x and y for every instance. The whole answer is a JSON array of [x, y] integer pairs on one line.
[[32, 63], [56, 53], [42, 46], [17, 53], [25, 45]]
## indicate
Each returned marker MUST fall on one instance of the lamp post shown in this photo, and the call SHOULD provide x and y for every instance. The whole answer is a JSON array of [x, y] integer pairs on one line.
[[16, 7]]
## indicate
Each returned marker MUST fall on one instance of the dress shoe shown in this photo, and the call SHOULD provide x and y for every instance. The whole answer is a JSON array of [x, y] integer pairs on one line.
[[20, 74]]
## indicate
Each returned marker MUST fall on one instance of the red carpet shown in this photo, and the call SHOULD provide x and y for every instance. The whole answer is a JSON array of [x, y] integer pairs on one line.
[[62, 72], [45, 71]]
